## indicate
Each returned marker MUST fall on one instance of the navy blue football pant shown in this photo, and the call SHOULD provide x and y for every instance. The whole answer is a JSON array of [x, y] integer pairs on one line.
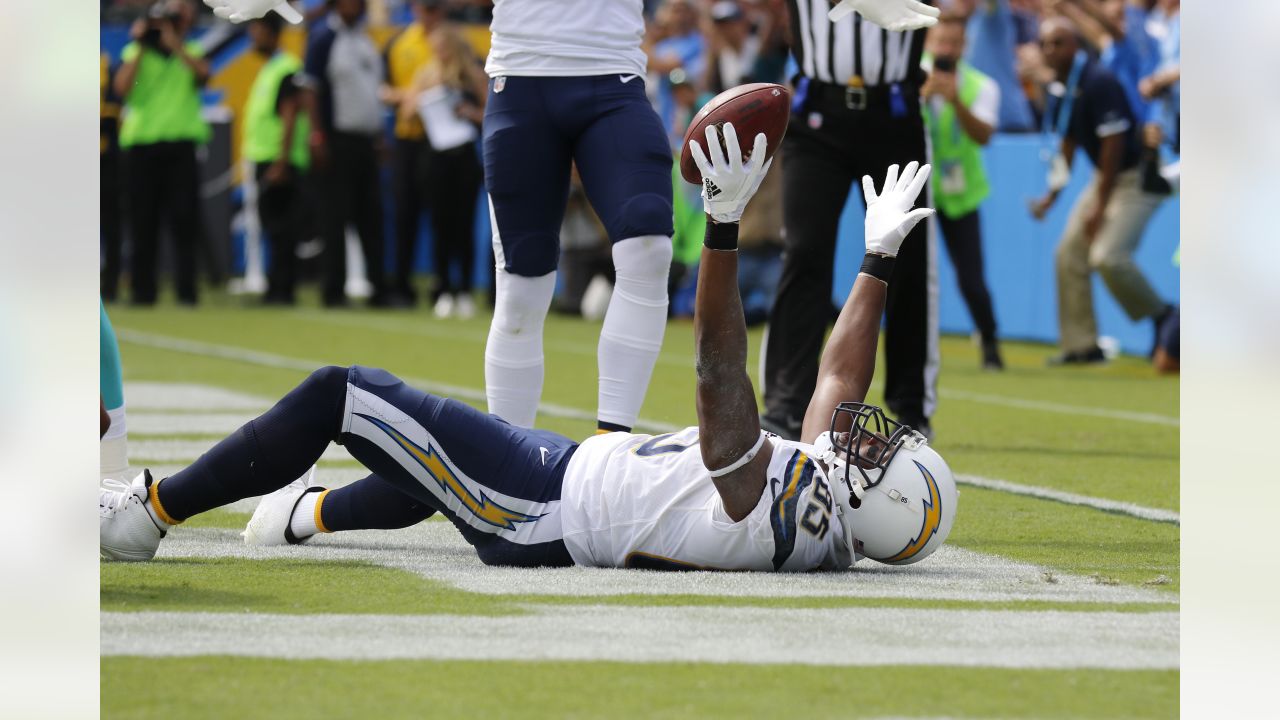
[[499, 484], [536, 129]]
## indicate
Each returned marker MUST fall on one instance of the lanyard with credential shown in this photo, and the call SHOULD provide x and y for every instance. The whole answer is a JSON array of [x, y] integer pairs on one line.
[[1053, 132]]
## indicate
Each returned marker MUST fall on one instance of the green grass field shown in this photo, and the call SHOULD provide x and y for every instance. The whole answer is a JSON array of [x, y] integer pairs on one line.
[[1085, 451]]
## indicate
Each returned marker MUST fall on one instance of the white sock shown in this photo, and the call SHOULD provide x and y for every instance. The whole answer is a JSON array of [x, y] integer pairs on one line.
[[513, 364], [633, 327], [113, 449], [303, 521]]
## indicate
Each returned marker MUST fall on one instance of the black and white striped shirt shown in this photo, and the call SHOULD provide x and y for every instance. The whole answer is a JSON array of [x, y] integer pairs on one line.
[[838, 53]]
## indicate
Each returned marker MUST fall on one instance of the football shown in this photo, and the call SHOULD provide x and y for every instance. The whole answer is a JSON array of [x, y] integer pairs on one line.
[[754, 108]]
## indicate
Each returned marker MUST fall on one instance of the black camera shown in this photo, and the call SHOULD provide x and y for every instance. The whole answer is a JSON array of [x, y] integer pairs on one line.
[[158, 15], [944, 64]]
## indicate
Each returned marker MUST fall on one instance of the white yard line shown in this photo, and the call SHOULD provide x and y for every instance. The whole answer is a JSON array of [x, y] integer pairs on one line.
[[1061, 408], [254, 357], [847, 636], [435, 550], [228, 352], [685, 360], [1111, 506]]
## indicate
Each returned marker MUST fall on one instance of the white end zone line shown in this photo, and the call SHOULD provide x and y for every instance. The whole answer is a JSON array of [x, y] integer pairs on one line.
[[254, 357], [1110, 506]]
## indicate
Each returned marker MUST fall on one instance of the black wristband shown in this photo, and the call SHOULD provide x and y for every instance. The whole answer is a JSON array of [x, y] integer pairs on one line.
[[879, 267], [721, 236]]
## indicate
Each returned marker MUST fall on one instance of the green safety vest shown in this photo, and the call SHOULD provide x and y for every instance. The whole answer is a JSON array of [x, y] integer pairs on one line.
[[164, 103], [959, 178], [263, 128]]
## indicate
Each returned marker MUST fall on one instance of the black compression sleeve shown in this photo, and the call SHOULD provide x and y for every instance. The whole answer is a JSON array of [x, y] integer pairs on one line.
[[879, 267], [721, 236]]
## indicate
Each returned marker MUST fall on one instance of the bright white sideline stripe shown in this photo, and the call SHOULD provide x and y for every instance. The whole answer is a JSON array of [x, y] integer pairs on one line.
[[1111, 506], [1062, 408], [845, 636], [254, 357]]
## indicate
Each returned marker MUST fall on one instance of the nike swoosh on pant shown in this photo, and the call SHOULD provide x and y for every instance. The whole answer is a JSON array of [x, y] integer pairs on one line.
[[627, 78]]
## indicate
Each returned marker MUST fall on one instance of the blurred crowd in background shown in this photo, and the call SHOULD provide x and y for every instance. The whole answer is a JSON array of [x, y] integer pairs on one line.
[[354, 145]]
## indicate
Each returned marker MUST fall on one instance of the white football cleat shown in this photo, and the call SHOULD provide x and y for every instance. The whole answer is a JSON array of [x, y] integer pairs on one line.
[[126, 530], [270, 522]]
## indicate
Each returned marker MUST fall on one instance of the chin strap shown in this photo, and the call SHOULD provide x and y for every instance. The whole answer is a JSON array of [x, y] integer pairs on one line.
[[836, 464]]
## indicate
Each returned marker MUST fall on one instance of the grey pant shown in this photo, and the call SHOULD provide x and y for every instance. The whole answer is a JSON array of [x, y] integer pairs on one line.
[[1110, 255]]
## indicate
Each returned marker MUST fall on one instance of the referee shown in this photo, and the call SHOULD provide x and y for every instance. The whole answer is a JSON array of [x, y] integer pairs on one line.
[[856, 111]]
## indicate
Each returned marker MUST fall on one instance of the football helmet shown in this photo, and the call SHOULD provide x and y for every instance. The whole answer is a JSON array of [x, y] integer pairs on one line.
[[895, 496]]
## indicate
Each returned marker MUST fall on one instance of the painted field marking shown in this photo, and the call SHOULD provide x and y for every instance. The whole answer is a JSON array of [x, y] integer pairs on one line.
[[1110, 506], [1061, 408], [687, 361], [437, 551], [265, 359], [846, 637]]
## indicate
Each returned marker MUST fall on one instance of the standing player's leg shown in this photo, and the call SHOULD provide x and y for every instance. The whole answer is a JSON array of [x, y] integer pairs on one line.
[[625, 164], [526, 168], [114, 448]]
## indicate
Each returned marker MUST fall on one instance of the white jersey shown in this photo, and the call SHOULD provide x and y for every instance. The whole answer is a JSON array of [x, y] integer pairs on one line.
[[648, 502], [566, 38]]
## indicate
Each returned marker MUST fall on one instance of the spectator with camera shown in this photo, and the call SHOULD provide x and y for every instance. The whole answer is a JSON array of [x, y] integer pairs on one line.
[[276, 127], [160, 81], [1089, 110], [962, 107]]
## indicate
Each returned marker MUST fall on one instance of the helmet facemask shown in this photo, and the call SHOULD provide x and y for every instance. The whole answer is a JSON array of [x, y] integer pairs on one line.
[[864, 439]]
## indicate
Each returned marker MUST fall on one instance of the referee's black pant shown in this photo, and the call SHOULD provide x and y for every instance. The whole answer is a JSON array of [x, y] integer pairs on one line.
[[163, 180], [409, 175], [352, 194], [820, 165], [282, 214]]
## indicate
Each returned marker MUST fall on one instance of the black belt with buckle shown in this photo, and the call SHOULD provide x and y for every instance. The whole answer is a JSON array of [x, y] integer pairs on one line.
[[853, 97]]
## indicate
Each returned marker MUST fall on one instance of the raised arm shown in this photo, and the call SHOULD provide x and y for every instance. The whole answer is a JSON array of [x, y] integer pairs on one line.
[[849, 359], [733, 448]]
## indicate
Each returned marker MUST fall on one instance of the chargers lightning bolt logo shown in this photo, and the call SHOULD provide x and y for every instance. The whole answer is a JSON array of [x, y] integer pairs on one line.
[[932, 519], [482, 507]]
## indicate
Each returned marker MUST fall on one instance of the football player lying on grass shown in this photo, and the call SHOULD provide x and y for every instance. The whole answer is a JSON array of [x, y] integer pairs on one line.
[[722, 495]]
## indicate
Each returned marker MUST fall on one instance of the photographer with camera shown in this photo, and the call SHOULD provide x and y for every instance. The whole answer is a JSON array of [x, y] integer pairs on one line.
[[160, 83], [962, 107]]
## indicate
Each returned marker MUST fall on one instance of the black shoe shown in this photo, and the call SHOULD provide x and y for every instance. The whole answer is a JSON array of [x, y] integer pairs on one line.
[[991, 360], [920, 424], [787, 428], [1092, 356]]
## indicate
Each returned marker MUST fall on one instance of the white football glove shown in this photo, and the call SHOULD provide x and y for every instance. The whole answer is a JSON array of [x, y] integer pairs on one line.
[[896, 15], [889, 214], [727, 184], [238, 11]]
